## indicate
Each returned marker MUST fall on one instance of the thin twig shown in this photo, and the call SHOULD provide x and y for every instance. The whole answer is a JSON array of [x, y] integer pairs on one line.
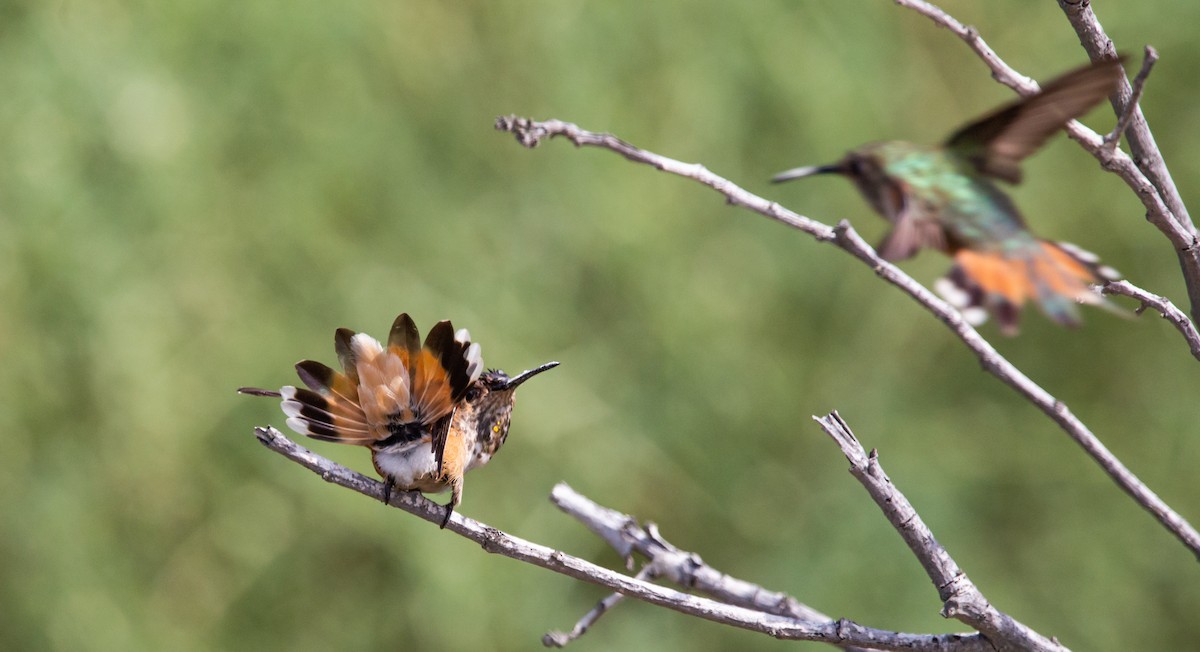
[[961, 599], [1141, 141], [1162, 306], [1113, 139], [530, 133], [497, 542], [562, 639]]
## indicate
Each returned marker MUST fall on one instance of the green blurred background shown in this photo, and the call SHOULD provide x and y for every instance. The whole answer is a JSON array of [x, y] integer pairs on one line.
[[195, 195]]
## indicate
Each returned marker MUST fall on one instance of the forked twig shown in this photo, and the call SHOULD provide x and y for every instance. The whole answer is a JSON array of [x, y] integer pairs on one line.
[[1113, 139], [688, 570], [1145, 173], [562, 639], [961, 599], [1162, 306]]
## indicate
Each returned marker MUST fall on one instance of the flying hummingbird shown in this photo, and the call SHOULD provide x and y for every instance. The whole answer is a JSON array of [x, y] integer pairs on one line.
[[943, 197], [429, 413]]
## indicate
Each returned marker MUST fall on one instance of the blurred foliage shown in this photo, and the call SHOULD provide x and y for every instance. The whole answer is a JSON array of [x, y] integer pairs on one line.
[[195, 195]]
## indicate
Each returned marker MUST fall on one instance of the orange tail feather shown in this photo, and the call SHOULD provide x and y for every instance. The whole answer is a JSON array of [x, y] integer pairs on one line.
[[1057, 276]]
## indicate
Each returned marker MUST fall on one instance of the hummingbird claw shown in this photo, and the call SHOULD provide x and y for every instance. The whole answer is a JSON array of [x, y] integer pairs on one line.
[[387, 491], [455, 499]]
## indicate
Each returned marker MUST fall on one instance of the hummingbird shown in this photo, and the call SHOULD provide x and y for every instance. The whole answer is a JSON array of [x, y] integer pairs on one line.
[[943, 197], [428, 412]]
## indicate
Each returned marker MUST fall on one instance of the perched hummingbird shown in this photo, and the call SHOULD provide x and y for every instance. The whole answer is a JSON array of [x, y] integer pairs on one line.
[[429, 413], [943, 197]]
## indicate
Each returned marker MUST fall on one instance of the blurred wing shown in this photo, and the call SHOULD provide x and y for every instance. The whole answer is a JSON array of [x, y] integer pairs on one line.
[[909, 235], [996, 143], [912, 228]]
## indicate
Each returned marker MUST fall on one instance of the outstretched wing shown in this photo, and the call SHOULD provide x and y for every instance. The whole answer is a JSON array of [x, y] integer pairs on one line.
[[444, 369], [996, 143]]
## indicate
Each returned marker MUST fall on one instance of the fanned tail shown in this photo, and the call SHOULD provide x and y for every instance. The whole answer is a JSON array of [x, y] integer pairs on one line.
[[325, 417], [411, 383], [384, 396], [1057, 276], [328, 411]]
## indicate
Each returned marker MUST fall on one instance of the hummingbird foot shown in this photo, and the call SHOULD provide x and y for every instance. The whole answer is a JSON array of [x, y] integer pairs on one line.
[[388, 485], [456, 485]]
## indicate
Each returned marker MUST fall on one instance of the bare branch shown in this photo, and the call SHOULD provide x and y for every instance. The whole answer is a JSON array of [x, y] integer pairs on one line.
[[1145, 150], [688, 570], [1148, 176], [530, 133], [1113, 139], [497, 542], [960, 597], [1148, 157]]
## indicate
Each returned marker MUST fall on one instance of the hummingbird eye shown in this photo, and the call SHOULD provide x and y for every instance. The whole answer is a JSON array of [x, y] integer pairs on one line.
[[473, 394]]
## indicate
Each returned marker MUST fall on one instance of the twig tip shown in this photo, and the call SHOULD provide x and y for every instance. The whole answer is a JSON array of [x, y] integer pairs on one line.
[[265, 435]]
